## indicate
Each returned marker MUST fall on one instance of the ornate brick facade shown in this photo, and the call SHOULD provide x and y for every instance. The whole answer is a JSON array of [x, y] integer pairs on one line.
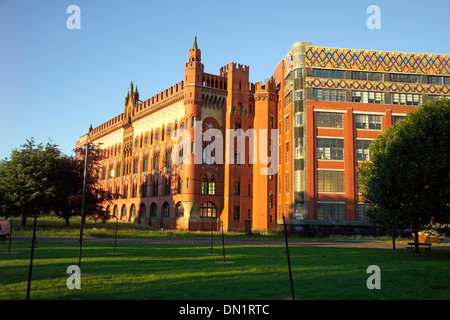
[[327, 105]]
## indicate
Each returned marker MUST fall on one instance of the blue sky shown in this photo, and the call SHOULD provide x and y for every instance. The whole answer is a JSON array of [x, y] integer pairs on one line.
[[55, 82]]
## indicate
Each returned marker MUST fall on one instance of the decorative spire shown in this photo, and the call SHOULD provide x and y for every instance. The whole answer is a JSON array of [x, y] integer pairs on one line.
[[195, 44]]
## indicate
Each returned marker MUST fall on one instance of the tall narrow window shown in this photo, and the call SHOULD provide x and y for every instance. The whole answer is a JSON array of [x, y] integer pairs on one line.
[[168, 186], [204, 185], [287, 182], [237, 188], [145, 163], [236, 214], [212, 186]]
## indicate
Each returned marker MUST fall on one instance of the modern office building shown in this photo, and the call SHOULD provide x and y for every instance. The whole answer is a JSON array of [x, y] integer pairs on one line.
[[326, 105]]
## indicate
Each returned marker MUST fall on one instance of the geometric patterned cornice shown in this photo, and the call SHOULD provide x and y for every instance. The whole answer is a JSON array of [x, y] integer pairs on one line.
[[364, 60], [377, 86]]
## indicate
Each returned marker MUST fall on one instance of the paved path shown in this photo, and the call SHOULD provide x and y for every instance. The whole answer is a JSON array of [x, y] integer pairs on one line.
[[337, 244]]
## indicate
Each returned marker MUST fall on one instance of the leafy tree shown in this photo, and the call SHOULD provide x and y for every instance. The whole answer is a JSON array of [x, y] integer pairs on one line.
[[26, 180], [70, 188], [407, 182], [41, 180]]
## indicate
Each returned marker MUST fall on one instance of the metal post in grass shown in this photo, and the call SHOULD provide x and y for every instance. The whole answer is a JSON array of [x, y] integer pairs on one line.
[[83, 202], [10, 235], [212, 226], [223, 242], [30, 271], [288, 258]]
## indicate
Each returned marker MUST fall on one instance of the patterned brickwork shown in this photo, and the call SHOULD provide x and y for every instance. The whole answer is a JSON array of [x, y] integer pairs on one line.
[[363, 60], [378, 86]]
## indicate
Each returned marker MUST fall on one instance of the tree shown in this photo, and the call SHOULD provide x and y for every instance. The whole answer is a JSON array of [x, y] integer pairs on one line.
[[407, 181], [69, 187], [26, 180], [41, 180]]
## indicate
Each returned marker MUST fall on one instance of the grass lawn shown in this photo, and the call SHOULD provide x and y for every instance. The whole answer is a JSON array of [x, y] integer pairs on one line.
[[188, 272], [52, 226]]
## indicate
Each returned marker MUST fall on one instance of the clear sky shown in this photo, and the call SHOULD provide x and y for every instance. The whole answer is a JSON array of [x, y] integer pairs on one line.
[[55, 82]]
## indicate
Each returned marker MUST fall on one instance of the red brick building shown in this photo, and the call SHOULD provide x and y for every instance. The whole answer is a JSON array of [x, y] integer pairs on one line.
[[326, 104]]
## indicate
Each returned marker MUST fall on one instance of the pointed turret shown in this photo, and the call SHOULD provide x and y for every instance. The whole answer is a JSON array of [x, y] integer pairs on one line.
[[195, 44]]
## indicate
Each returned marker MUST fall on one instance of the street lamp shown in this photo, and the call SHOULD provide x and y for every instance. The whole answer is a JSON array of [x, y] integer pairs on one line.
[[83, 202], [288, 258]]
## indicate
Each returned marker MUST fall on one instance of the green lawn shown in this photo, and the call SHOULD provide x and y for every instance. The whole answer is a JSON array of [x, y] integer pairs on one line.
[[172, 272], [52, 226]]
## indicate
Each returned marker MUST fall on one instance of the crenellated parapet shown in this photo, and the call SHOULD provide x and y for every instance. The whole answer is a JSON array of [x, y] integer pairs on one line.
[[148, 104], [232, 66]]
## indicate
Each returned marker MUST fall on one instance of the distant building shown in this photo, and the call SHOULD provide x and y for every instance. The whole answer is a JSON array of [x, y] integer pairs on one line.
[[327, 105]]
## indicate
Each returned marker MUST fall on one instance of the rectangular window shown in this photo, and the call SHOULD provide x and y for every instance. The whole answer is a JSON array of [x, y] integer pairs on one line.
[[287, 182], [298, 95], [237, 188], [397, 119], [359, 184], [330, 149], [329, 95], [367, 97], [329, 120], [236, 214], [368, 121], [298, 73], [330, 181], [407, 78], [362, 212], [287, 123], [362, 150], [328, 73], [440, 97], [331, 211], [298, 148], [367, 76], [406, 99], [287, 151], [298, 118], [298, 180]]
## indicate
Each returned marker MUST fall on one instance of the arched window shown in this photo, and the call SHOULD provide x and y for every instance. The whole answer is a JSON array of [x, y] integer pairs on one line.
[[212, 186], [142, 211], [192, 122], [135, 162], [144, 189], [179, 185], [179, 209], [116, 211], [145, 161], [168, 158], [108, 211], [166, 209], [156, 159], [132, 211], [123, 214], [134, 190], [204, 185], [155, 187], [154, 210], [208, 210], [168, 186], [125, 191]]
